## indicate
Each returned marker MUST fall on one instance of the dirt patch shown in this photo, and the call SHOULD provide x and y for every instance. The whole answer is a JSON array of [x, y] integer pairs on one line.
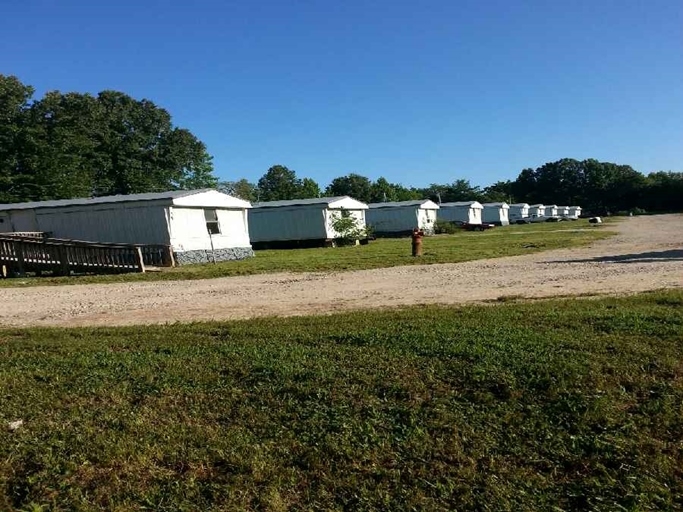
[[646, 254]]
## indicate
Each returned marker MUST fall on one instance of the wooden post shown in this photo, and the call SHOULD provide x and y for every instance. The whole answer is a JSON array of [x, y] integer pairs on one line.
[[140, 260], [19, 249], [63, 257], [168, 259]]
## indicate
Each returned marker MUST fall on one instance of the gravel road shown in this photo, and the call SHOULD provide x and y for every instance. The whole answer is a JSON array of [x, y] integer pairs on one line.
[[646, 254]]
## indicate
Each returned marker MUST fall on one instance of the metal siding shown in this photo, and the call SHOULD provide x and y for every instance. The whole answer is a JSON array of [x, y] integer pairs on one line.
[[5, 224], [460, 214], [189, 233], [288, 223], [495, 215], [387, 220], [23, 220], [116, 222]]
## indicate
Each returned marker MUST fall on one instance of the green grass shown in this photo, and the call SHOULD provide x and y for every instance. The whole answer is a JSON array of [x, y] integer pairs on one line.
[[552, 405], [386, 252]]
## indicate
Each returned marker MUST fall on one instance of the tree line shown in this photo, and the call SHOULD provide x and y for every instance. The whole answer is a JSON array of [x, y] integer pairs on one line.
[[67, 145], [599, 187]]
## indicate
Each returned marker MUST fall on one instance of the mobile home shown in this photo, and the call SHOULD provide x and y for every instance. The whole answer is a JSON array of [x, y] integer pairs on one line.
[[301, 222], [396, 218], [550, 210], [563, 211], [199, 225], [518, 212], [536, 210], [496, 213], [461, 211], [574, 212]]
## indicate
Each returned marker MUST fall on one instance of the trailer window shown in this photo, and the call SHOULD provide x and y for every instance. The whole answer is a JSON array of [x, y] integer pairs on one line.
[[212, 225]]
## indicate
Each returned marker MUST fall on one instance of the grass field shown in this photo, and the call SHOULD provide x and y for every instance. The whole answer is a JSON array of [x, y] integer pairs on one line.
[[552, 405], [386, 252]]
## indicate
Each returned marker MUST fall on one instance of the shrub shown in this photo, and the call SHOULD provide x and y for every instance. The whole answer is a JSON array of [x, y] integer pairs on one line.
[[444, 227], [348, 228]]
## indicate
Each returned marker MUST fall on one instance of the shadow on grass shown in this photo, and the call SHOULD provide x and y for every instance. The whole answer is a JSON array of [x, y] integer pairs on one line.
[[643, 257]]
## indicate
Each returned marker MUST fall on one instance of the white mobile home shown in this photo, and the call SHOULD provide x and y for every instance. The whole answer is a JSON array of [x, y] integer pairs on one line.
[[536, 210], [518, 212], [402, 217], [301, 222], [496, 213], [461, 211], [574, 212], [199, 225], [563, 211], [550, 210]]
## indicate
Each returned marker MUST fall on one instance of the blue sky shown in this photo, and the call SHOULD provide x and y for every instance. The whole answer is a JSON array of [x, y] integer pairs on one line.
[[418, 92]]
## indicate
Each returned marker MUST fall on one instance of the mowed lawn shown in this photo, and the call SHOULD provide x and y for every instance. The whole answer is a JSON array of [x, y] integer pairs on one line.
[[551, 405], [384, 252]]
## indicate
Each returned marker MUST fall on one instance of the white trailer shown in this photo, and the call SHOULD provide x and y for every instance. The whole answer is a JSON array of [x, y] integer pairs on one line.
[[519, 213], [401, 217], [301, 222], [496, 213], [199, 225], [466, 212]]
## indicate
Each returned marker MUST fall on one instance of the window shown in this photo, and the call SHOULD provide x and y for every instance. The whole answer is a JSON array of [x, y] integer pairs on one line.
[[212, 225]]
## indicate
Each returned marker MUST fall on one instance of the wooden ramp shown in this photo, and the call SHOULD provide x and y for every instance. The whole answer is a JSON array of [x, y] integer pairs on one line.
[[33, 252]]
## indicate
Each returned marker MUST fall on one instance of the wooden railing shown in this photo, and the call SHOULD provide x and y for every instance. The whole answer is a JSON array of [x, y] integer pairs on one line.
[[20, 254], [27, 234]]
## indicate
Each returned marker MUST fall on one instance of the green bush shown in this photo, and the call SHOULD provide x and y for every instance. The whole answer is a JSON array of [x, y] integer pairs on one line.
[[445, 228], [348, 227]]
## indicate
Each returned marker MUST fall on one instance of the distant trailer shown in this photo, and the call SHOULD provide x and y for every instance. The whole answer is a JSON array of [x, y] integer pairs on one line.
[[574, 212], [496, 213], [563, 211], [536, 210], [400, 218], [467, 212], [518, 213], [550, 210], [199, 225], [301, 222]]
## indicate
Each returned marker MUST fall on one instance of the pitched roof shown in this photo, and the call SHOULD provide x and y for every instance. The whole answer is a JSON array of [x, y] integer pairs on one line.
[[462, 204], [502, 205], [398, 204], [323, 201], [151, 196]]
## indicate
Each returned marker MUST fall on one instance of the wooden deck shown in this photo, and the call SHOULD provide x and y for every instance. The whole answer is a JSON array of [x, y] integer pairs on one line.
[[33, 252]]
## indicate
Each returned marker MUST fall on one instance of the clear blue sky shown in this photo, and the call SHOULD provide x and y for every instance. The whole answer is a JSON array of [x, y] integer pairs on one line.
[[418, 92]]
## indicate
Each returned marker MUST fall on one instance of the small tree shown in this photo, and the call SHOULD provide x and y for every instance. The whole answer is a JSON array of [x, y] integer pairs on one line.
[[347, 227]]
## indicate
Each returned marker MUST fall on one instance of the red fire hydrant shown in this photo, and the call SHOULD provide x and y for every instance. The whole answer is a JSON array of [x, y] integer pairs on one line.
[[417, 241]]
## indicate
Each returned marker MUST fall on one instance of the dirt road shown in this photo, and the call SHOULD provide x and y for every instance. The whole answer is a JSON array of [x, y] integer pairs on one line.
[[646, 254]]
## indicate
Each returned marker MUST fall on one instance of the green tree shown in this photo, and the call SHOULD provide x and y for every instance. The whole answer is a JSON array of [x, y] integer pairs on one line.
[[459, 190], [308, 189], [664, 191], [353, 185], [499, 192], [382, 191], [14, 104], [599, 187], [278, 184], [73, 145], [242, 188], [140, 150]]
